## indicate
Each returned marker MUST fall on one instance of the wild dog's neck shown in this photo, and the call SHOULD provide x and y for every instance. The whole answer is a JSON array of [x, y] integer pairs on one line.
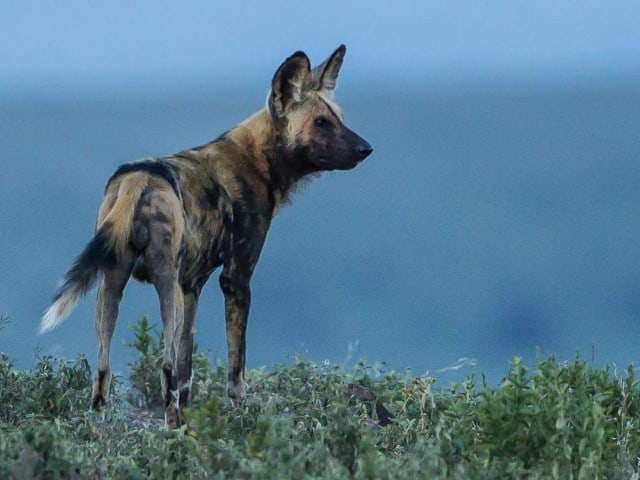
[[260, 141]]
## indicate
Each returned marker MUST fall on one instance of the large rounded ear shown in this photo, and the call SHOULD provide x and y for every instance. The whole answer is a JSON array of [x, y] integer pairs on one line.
[[325, 75], [289, 81]]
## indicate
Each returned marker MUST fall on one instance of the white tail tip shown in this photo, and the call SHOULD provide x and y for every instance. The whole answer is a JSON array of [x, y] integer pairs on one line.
[[57, 312]]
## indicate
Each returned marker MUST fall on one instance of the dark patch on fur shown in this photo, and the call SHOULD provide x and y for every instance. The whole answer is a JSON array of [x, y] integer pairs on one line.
[[239, 368], [139, 236], [272, 199], [212, 195], [140, 272], [195, 149], [165, 237], [185, 397], [145, 198], [159, 168], [97, 403], [234, 288], [195, 285], [216, 202], [278, 181], [238, 293], [170, 382], [160, 217], [202, 147], [226, 285], [99, 400], [220, 137], [248, 195]]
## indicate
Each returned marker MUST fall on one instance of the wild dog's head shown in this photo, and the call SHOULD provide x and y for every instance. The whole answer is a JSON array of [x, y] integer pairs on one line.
[[309, 123]]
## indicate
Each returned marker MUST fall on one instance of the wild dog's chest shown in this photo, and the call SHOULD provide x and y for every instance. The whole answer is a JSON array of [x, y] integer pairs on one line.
[[219, 229], [228, 207]]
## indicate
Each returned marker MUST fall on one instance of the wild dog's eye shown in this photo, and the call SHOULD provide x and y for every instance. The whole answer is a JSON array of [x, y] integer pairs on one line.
[[321, 122]]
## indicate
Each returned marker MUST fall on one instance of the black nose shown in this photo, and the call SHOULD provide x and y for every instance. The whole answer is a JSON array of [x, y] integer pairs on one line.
[[364, 149]]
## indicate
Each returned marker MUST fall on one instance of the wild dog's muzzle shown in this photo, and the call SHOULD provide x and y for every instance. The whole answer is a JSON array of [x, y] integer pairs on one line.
[[364, 149]]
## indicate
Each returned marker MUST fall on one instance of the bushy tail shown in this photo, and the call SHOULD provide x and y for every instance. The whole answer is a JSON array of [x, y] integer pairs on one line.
[[105, 248], [78, 280]]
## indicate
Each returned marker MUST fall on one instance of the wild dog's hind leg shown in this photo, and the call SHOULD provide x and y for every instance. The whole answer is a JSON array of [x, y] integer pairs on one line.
[[171, 310], [163, 258], [185, 348], [110, 291]]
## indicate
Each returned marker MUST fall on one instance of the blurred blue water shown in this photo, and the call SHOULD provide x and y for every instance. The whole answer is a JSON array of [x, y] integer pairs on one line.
[[487, 223]]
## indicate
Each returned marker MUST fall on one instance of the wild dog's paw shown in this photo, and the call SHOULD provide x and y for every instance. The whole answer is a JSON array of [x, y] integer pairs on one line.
[[237, 392]]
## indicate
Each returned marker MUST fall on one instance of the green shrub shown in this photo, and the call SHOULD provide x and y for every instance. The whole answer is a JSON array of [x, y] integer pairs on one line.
[[144, 372], [54, 389], [306, 420]]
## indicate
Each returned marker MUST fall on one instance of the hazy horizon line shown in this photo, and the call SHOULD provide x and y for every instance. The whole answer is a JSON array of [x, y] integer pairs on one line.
[[74, 88]]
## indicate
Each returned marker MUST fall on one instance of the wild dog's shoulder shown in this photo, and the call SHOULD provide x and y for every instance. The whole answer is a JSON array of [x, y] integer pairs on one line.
[[157, 167]]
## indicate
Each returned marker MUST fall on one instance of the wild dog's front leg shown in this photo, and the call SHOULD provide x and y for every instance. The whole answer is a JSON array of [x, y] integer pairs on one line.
[[237, 299]]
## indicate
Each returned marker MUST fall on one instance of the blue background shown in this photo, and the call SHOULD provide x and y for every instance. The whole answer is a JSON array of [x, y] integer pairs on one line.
[[498, 214]]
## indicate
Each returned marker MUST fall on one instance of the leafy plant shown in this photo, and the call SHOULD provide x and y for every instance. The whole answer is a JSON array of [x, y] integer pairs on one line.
[[305, 420], [144, 371], [144, 374]]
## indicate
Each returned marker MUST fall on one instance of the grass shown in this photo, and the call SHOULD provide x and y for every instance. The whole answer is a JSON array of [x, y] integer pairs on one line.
[[303, 420]]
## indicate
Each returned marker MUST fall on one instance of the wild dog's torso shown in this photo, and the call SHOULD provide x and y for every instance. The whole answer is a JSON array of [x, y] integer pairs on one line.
[[228, 191]]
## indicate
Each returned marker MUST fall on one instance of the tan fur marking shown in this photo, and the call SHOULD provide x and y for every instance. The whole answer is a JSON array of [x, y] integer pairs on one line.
[[120, 217]]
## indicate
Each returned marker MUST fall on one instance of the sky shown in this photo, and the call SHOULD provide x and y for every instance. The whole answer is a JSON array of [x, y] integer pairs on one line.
[[56, 46]]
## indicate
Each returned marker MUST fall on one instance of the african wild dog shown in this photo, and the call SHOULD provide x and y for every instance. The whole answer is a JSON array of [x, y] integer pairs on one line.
[[172, 221]]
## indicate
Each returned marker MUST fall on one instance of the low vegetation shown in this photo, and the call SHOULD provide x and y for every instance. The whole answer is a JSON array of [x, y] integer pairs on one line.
[[308, 420]]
